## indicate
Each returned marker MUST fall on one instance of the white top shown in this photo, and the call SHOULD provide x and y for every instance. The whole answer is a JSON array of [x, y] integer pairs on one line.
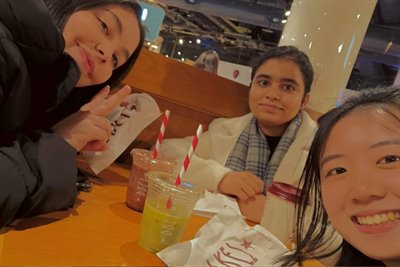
[[207, 168]]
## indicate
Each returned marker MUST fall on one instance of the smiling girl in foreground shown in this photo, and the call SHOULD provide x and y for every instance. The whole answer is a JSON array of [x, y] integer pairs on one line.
[[354, 169], [48, 76]]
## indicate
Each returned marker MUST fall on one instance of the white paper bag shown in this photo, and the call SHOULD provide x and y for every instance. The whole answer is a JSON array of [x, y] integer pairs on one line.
[[213, 203], [226, 240], [127, 123]]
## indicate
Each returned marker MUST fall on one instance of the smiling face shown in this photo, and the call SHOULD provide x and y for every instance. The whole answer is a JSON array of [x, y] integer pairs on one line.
[[277, 95], [101, 40], [360, 181]]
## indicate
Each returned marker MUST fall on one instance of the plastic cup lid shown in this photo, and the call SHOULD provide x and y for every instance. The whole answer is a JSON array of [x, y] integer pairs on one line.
[[285, 191]]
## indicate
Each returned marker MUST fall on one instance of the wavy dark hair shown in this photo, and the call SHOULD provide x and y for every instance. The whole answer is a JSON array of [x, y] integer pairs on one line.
[[292, 53], [309, 239], [61, 10]]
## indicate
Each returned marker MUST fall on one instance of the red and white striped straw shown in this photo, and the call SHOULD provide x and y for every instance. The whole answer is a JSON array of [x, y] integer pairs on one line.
[[186, 162], [161, 133]]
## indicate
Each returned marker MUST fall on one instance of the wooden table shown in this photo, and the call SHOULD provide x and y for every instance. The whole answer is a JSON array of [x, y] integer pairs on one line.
[[99, 231]]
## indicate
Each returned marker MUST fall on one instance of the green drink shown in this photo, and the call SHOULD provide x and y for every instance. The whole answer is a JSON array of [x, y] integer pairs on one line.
[[165, 229], [166, 211]]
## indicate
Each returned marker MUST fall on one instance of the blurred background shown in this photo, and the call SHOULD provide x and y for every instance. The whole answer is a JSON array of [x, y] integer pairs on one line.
[[239, 30]]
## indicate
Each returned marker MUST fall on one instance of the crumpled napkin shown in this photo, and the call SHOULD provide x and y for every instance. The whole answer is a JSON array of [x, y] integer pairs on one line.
[[226, 240], [127, 123], [213, 203]]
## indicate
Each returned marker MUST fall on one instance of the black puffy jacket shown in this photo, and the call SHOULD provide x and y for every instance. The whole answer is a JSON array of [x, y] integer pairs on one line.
[[37, 167]]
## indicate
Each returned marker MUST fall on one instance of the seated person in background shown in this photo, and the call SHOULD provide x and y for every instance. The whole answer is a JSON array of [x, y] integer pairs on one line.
[[208, 61], [241, 156], [353, 169], [55, 55]]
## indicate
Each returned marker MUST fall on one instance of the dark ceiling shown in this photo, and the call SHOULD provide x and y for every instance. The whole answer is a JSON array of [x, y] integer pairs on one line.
[[239, 30]]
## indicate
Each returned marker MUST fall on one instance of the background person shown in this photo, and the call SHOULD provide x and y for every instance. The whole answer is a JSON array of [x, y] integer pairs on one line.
[[208, 61], [240, 156]]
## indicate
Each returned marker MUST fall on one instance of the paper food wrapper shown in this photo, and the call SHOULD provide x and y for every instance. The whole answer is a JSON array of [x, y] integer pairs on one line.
[[214, 203], [127, 123], [226, 240]]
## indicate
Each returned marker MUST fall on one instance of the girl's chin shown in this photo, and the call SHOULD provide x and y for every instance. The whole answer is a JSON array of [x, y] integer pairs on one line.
[[84, 81], [80, 84]]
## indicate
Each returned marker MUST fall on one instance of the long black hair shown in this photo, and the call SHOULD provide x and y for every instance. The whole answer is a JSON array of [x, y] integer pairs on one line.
[[292, 53], [61, 10], [309, 238]]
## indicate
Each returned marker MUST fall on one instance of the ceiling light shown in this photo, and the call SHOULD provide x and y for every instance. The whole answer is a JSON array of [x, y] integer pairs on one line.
[[284, 21], [276, 20], [287, 13], [198, 41], [180, 41]]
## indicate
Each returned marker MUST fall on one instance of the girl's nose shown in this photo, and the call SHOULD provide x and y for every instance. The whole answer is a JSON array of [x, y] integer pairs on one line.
[[273, 93], [103, 52], [365, 188]]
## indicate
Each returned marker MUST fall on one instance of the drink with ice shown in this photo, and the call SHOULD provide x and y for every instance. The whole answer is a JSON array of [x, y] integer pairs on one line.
[[166, 211], [165, 228], [143, 162]]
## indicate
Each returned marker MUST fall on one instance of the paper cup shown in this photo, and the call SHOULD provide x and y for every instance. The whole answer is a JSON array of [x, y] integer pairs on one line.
[[279, 211]]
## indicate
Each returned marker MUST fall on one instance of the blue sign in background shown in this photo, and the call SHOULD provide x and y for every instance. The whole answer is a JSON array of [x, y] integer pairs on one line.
[[152, 18]]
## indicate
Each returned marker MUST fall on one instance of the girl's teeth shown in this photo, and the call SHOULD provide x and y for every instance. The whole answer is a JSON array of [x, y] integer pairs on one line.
[[379, 218]]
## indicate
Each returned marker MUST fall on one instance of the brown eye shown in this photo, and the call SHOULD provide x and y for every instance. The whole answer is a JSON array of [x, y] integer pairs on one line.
[[336, 171], [263, 82], [389, 159], [104, 26], [288, 87]]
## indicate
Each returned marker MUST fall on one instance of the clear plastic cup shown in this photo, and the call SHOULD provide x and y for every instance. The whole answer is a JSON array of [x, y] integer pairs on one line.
[[143, 162], [279, 211], [166, 211]]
